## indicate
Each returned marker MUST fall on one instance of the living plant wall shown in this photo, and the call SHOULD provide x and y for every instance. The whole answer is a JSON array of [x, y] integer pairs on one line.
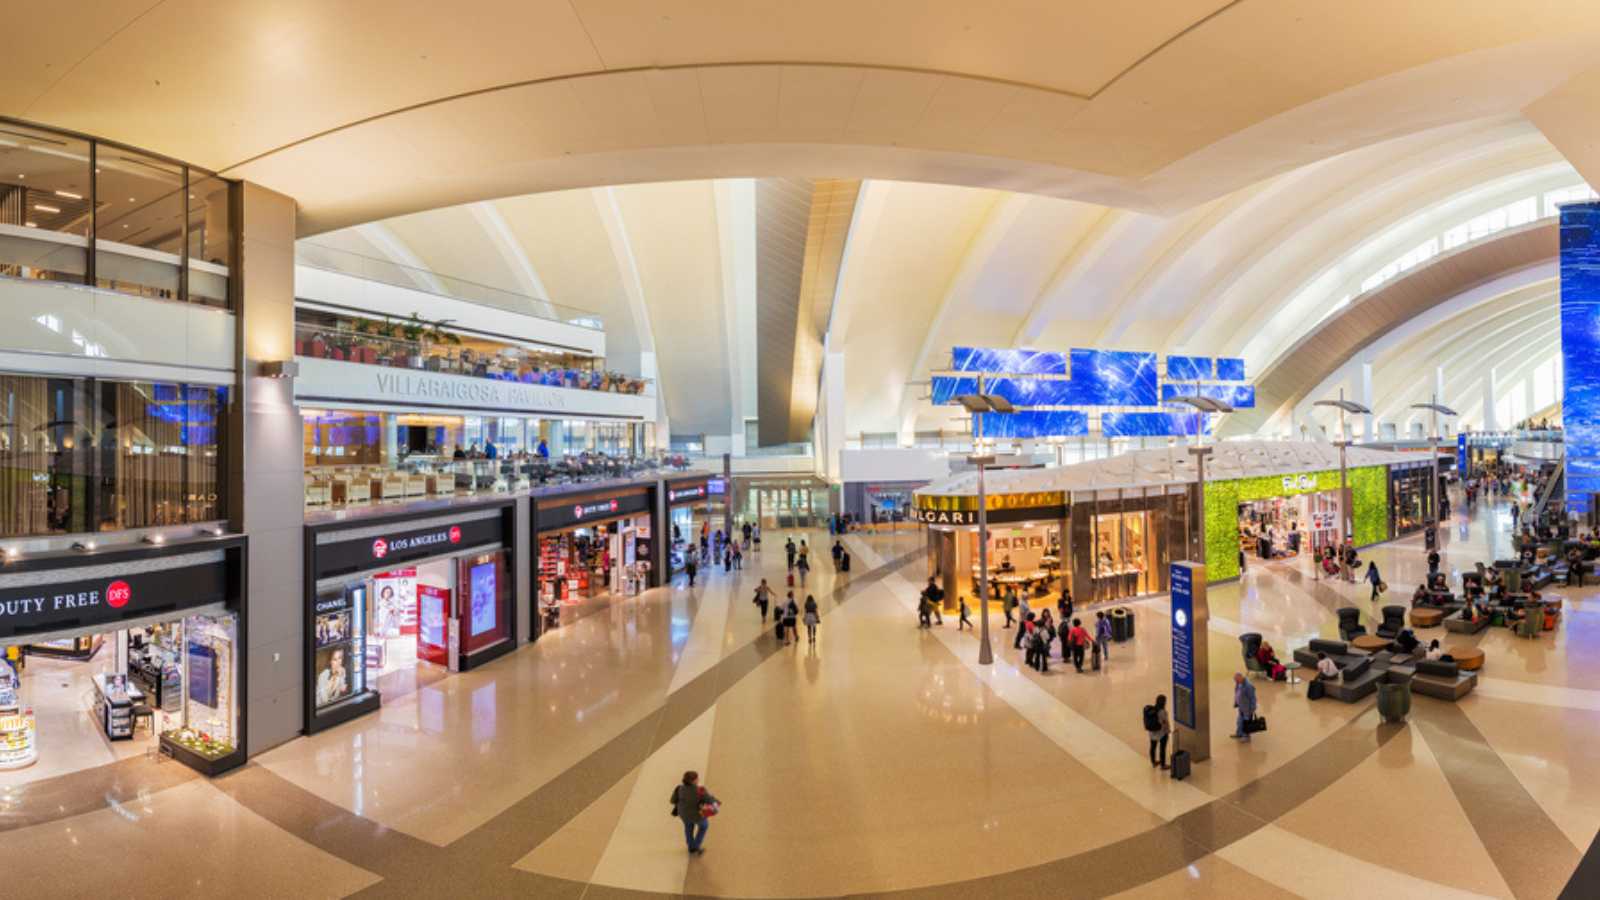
[[1369, 493]]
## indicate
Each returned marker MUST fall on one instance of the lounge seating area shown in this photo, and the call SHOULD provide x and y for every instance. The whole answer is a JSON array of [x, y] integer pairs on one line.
[[1360, 673]]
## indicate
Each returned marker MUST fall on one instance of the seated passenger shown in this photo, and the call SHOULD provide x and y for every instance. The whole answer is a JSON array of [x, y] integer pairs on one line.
[[1326, 668], [1419, 597], [1269, 661], [1434, 650], [1406, 641]]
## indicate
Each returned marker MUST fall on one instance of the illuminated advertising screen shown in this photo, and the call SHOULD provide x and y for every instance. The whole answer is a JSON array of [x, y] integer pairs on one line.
[[1580, 350], [1032, 423], [1190, 368], [485, 608], [1230, 370]]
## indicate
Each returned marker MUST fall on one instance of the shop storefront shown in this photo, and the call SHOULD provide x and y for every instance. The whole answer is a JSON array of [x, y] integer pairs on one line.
[[1247, 515], [1282, 527], [1123, 538], [876, 502], [590, 545], [1410, 497], [110, 655], [1025, 540], [398, 602], [693, 513]]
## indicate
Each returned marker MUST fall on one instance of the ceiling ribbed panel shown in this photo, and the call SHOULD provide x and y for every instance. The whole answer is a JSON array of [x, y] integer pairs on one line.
[[833, 204], [1341, 336], [783, 214]]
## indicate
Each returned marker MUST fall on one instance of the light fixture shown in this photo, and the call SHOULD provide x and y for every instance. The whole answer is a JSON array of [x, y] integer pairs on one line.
[[12, 553], [215, 531], [280, 368], [83, 546], [131, 200], [31, 224], [157, 539], [69, 195], [47, 209]]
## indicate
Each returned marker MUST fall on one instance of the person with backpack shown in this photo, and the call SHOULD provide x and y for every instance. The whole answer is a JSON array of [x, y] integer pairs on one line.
[[791, 620], [690, 567], [965, 622], [777, 618], [844, 562], [812, 618], [763, 597], [789, 550], [1158, 726], [1024, 615], [694, 806], [1079, 638], [1102, 636], [803, 566], [1024, 631], [1039, 646], [838, 551]]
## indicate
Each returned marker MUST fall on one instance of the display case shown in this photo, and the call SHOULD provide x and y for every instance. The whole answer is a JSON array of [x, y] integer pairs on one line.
[[114, 699], [17, 744]]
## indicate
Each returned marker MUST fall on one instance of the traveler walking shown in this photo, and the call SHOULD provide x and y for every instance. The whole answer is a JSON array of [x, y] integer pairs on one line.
[[803, 566], [1244, 701], [690, 567], [738, 556], [1158, 726], [844, 562], [1078, 638], [1023, 631], [763, 597], [965, 622], [789, 550], [1375, 580], [779, 626], [1008, 601], [838, 551], [812, 618], [791, 620], [694, 806]]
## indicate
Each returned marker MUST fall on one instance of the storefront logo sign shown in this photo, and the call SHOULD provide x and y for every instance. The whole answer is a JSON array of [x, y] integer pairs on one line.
[[584, 510], [688, 493], [945, 516], [455, 534], [380, 548], [1300, 482], [118, 594]]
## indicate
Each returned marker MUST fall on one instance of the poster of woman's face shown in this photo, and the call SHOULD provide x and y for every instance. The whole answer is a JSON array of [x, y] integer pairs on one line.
[[333, 674]]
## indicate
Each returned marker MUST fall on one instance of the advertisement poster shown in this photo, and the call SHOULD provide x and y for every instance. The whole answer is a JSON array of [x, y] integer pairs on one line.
[[1182, 594], [396, 610], [333, 674], [433, 613], [203, 675], [484, 598]]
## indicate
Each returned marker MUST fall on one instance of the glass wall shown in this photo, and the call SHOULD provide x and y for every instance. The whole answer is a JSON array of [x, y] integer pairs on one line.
[[82, 454], [84, 211]]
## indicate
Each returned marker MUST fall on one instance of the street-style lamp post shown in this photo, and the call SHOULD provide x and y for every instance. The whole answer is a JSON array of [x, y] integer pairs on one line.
[[1353, 408], [978, 404], [1436, 409], [1199, 450]]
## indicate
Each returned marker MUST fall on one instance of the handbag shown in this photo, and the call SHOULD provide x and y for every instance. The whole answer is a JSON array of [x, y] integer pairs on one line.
[[707, 810], [1316, 690], [1253, 725]]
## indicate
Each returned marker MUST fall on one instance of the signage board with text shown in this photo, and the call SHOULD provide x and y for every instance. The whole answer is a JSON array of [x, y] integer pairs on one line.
[[406, 544], [85, 602]]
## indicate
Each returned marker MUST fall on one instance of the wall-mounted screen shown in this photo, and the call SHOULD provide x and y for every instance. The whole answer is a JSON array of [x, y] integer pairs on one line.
[[1032, 423], [484, 598], [1151, 424], [1230, 369], [1190, 368], [1011, 362], [1113, 378], [1238, 396]]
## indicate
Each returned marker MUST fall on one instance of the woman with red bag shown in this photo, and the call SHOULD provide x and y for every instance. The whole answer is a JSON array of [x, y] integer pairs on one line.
[[694, 806]]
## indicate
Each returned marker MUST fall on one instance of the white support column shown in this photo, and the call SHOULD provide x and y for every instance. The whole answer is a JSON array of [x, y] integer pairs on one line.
[[1438, 385], [1527, 396], [1366, 400], [1491, 419], [832, 394]]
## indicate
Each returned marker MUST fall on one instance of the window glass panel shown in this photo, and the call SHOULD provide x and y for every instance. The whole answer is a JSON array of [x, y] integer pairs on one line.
[[210, 240], [44, 204], [139, 223]]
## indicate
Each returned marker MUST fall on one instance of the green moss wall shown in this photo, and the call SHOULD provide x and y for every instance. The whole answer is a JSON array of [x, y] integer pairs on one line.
[[1369, 491]]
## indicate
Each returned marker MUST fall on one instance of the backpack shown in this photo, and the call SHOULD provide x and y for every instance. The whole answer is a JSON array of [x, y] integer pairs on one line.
[[1152, 719]]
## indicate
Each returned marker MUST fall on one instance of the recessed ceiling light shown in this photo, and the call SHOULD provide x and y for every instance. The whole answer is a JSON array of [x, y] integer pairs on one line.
[[49, 209], [124, 224], [21, 177], [69, 195], [131, 200]]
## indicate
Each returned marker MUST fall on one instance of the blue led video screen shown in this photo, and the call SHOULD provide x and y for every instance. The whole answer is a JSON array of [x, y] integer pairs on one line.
[[1230, 369], [1580, 350], [1190, 368], [1020, 391], [1113, 378], [1152, 424], [1238, 396], [1011, 362], [1036, 423]]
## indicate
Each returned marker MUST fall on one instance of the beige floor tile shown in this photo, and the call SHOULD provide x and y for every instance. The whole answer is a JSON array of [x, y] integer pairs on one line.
[[1554, 753], [1211, 877], [1317, 872]]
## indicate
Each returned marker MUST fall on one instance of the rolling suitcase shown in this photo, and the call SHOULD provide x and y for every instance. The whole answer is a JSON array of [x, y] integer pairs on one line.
[[1180, 764]]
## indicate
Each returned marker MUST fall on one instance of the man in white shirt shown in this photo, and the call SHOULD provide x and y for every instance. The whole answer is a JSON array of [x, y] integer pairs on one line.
[[1326, 668]]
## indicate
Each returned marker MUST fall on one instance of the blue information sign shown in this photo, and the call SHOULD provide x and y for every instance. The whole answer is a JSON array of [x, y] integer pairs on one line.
[[1182, 645], [1461, 455]]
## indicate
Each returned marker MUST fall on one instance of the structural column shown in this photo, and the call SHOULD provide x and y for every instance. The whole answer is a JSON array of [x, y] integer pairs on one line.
[[266, 469], [1369, 421], [1491, 418]]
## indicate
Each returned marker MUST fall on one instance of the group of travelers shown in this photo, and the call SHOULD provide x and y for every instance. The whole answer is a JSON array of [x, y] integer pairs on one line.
[[788, 614]]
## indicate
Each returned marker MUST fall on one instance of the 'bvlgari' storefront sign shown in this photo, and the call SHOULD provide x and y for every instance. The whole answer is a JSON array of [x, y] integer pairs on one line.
[[331, 381], [996, 516]]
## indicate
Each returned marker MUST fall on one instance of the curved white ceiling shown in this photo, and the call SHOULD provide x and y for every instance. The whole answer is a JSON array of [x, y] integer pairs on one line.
[[928, 266], [362, 111]]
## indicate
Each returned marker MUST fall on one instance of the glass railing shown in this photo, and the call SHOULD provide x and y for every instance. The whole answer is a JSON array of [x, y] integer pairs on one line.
[[419, 478], [506, 364], [319, 256]]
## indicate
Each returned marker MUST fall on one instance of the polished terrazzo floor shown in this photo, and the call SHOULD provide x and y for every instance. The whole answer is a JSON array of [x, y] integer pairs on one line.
[[882, 760]]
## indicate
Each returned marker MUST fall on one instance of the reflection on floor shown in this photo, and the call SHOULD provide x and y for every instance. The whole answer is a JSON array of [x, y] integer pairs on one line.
[[66, 732], [856, 764]]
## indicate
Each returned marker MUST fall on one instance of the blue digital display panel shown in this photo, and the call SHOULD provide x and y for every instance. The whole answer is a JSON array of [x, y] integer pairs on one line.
[[1113, 378], [1034, 423], [1230, 369], [1151, 424], [1580, 350], [1238, 396], [1461, 453], [1181, 600], [1011, 362], [1020, 391], [1190, 368]]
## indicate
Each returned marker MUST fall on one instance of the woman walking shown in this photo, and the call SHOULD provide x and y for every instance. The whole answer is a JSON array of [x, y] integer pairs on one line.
[[1374, 579], [791, 620], [1158, 726], [811, 619]]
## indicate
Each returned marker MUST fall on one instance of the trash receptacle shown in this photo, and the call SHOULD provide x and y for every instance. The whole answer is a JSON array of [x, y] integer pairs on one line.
[[1394, 699], [1121, 624]]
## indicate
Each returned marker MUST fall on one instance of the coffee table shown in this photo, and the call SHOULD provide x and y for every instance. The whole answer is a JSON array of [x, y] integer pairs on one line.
[[1369, 643], [1468, 659], [1290, 667], [1423, 617]]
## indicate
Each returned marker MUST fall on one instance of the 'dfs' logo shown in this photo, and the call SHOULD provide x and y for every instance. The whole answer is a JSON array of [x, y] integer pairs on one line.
[[380, 548], [455, 535], [118, 594]]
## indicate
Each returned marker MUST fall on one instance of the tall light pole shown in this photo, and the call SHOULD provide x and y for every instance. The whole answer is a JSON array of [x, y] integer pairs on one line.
[[1199, 450], [1435, 408], [1353, 408], [978, 404]]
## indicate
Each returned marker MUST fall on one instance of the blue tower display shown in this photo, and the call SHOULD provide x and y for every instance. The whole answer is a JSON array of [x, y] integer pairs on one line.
[[1580, 350]]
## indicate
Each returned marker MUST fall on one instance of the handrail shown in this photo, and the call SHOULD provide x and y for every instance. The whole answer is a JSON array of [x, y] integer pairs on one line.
[[1549, 491]]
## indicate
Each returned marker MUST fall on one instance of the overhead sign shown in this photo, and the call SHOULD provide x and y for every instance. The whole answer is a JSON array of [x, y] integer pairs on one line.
[[1300, 482], [330, 381], [555, 513], [405, 544], [1182, 645], [996, 516], [687, 493], [85, 602]]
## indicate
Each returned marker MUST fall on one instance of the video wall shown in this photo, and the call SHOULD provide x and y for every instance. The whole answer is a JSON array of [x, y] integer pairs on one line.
[[1055, 392], [1580, 348]]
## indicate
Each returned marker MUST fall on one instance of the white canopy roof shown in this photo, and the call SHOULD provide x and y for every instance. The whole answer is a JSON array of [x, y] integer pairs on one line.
[[1172, 465]]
